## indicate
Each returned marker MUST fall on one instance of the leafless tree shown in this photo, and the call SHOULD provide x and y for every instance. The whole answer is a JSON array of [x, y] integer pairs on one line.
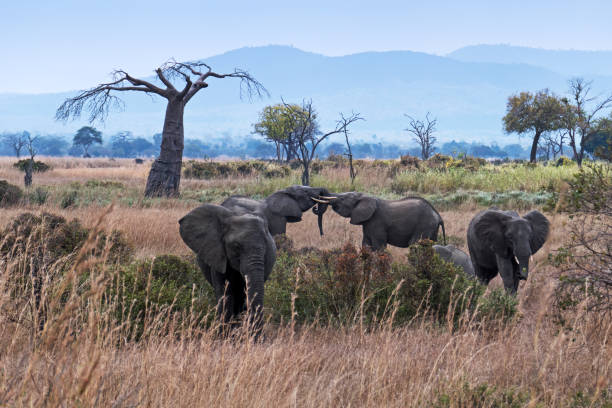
[[422, 132], [165, 174], [580, 122], [306, 133], [29, 168], [15, 141], [344, 121], [552, 143]]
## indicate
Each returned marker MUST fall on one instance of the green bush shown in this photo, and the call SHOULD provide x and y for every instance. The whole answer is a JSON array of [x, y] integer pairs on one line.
[[167, 286], [209, 170], [338, 285], [9, 194], [483, 395], [38, 166], [104, 184], [39, 195], [497, 306], [68, 198]]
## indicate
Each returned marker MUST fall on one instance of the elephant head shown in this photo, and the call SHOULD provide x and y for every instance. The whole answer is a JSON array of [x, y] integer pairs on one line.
[[513, 237], [291, 202], [236, 253], [359, 207]]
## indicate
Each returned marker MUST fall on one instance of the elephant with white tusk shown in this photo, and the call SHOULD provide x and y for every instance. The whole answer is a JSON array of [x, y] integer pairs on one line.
[[236, 253], [283, 206], [503, 242], [394, 222]]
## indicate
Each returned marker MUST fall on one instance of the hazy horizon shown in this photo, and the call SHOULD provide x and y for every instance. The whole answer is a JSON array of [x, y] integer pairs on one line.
[[70, 44]]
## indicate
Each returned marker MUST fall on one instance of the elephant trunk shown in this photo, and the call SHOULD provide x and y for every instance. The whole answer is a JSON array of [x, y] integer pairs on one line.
[[522, 260], [253, 272], [320, 209]]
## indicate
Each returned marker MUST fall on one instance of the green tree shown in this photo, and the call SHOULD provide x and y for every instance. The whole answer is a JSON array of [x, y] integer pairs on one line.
[[274, 125], [85, 137], [600, 143], [538, 113]]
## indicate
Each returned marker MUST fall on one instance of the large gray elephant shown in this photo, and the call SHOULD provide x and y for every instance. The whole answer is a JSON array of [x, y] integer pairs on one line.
[[283, 206], [236, 253], [503, 242], [394, 222], [451, 253]]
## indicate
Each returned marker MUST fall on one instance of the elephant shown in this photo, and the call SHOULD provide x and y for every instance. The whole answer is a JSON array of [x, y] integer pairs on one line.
[[394, 222], [236, 253], [451, 253], [283, 206], [503, 242]]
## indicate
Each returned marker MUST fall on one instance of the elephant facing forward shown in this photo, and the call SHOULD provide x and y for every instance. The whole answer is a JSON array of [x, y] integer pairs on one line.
[[236, 253], [394, 222], [503, 242]]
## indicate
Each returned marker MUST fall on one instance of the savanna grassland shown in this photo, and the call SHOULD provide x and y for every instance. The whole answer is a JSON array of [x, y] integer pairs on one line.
[[109, 331]]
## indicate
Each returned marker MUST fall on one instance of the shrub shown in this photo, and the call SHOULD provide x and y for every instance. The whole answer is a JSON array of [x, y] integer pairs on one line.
[[39, 249], [69, 198], [483, 395], [104, 184], [38, 166], [339, 285], [39, 195], [497, 306], [167, 287], [584, 261], [9, 194], [410, 161], [209, 170], [564, 161]]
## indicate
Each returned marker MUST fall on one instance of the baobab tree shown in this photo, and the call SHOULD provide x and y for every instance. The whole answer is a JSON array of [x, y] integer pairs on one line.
[[164, 177]]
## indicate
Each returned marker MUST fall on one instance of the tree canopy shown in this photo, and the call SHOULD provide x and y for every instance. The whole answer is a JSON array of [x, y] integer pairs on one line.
[[87, 136], [533, 113]]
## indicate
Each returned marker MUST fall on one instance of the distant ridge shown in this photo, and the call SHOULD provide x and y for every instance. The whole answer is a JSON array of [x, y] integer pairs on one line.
[[568, 62], [468, 98]]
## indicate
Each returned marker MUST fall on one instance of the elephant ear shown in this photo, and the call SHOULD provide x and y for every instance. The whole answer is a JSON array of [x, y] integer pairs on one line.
[[283, 204], [202, 230], [363, 211], [490, 230], [539, 227]]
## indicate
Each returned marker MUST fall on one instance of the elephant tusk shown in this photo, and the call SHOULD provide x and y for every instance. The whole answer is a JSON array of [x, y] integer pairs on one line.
[[328, 198], [320, 201], [516, 260], [530, 258]]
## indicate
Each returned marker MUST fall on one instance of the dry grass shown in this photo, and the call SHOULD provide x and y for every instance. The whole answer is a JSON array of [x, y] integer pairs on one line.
[[83, 357]]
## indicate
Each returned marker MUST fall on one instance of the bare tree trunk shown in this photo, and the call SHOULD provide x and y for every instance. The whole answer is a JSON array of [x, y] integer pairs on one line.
[[534, 146], [27, 180], [305, 173], [165, 174]]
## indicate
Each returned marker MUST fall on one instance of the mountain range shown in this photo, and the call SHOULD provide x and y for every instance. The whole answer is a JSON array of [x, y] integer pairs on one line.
[[465, 90]]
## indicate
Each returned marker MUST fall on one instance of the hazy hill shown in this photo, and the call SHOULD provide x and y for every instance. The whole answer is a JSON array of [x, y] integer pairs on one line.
[[467, 97], [568, 62]]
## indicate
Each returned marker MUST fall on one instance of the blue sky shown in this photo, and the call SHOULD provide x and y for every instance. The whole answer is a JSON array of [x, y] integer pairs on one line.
[[59, 45]]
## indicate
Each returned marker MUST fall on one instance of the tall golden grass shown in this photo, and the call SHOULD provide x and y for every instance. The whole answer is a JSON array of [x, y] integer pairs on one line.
[[85, 357]]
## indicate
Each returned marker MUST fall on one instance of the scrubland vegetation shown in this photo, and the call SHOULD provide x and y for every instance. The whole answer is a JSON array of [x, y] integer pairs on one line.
[[101, 303]]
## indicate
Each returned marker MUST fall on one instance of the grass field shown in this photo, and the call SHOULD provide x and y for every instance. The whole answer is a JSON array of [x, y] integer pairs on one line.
[[84, 358]]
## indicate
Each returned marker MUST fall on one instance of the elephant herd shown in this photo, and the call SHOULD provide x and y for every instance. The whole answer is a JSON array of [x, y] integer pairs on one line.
[[235, 249]]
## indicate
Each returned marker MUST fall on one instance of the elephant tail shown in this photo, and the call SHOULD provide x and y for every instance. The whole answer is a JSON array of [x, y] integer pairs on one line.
[[443, 230]]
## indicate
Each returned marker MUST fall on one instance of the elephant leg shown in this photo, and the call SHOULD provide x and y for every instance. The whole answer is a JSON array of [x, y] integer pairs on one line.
[[238, 293], [506, 271], [224, 295]]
